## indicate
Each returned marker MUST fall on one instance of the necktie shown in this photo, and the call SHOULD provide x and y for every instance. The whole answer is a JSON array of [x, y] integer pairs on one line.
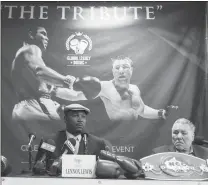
[[77, 146]]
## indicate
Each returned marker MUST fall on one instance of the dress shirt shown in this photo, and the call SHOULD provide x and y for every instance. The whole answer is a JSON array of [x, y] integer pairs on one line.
[[77, 139]]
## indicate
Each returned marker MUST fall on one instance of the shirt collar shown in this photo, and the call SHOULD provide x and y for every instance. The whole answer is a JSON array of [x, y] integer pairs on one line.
[[77, 138]]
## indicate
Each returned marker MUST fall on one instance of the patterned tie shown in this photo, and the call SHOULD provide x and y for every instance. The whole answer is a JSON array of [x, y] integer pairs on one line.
[[77, 146]]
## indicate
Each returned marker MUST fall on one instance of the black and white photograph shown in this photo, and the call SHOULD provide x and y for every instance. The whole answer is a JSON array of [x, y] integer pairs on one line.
[[104, 91]]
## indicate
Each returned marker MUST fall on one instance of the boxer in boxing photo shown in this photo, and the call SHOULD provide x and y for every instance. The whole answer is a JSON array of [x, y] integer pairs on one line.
[[33, 80], [122, 100]]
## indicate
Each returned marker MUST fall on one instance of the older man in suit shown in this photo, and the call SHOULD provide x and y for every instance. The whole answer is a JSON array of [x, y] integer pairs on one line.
[[182, 140], [84, 143]]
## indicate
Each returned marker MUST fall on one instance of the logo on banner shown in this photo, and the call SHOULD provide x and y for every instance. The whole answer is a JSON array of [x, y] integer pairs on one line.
[[78, 45]]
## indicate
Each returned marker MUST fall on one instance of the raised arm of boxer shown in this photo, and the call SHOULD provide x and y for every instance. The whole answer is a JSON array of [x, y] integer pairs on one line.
[[142, 109], [84, 88], [69, 94], [32, 57]]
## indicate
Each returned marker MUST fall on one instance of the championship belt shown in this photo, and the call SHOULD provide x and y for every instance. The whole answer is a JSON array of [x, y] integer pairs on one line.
[[174, 166]]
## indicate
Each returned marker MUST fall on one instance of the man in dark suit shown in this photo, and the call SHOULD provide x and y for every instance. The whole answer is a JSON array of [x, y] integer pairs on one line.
[[182, 138], [84, 143]]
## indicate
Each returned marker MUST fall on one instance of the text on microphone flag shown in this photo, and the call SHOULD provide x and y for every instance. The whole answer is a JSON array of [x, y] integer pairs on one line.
[[70, 145], [48, 147]]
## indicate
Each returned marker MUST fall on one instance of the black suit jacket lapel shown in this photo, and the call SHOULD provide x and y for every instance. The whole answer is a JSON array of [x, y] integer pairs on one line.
[[81, 147]]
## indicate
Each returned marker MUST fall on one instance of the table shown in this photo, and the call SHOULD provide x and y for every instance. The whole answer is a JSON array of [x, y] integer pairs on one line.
[[73, 181]]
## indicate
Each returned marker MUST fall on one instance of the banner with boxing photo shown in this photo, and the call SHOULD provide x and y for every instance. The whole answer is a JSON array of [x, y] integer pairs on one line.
[[131, 69]]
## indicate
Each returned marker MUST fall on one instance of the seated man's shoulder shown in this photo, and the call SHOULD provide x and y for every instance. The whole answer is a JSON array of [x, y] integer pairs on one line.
[[99, 139], [103, 143], [95, 138], [201, 148], [161, 149]]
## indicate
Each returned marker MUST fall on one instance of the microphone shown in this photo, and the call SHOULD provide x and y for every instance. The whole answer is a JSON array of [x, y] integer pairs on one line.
[[84, 136], [125, 163], [31, 139], [45, 148], [68, 147], [5, 167], [199, 140]]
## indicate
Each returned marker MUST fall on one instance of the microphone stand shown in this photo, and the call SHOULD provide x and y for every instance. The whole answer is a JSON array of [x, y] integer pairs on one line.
[[30, 158], [85, 144], [29, 171]]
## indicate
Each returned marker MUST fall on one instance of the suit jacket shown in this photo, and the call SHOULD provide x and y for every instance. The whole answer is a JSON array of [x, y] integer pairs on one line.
[[94, 146], [199, 151]]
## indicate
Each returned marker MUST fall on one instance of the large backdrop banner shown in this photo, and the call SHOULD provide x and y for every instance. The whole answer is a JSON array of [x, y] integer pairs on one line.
[[165, 41]]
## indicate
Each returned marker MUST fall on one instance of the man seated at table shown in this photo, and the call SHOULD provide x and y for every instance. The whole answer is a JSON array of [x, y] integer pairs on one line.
[[75, 117], [183, 132]]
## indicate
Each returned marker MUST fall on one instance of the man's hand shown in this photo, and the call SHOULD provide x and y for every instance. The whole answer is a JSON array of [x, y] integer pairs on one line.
[[162, 113], [69, 80]]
